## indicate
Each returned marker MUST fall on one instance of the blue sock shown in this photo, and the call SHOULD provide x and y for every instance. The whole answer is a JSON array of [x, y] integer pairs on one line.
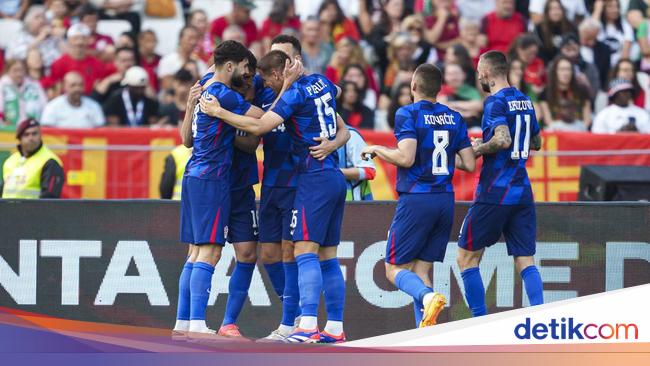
[[474, 291], [333, 289], [183, 310], [310, 283], [276, 275], [200, 284], [533, 284], [410, 283], [418, 310], [240, 282], [291, 295]]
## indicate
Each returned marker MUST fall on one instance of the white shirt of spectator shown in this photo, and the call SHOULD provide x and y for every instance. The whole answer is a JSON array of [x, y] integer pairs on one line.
[[572, 8], [614, 38], [475, 9], [60, 113], [173, 62], [613, 117], [30, 98], [575, 126]]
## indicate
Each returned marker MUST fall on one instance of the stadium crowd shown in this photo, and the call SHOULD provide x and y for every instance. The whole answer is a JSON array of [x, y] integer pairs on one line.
[[584, 63]]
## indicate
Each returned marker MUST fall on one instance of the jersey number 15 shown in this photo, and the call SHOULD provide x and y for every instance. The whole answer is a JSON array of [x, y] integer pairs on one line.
[[325, 111]]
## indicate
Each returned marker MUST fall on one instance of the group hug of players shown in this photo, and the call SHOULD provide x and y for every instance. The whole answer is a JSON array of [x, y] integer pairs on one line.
[[303, 190]]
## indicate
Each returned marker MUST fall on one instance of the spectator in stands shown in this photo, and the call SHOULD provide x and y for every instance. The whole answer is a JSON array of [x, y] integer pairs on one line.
[[400, 97], [335, 24], [199, 20], [149, 60], [128, 10], [57, 16], [626, 70], [525, 48], [562, 84], [503, 25], [36, 34], [461, 96], [240, 16], [130, 106], [553, 26], [401, 65], [637, 12], [389, 23], [358, 172], [575, 10], [566, 118], [21, 98], [89, 15], [442, 26], [472, 39], [171, 63], [587, 74], [516, 79], [381, 17], [124, 59], [77, 59], [594, 51], [73, 109], [172, 113], [622, 115], [13, 8], [355, 73], [316, 54], [172, 177], [281, 19], [458, 54], [616, 32], [34, 64], [351, 108], [474, 10], [414, 26], [33, 171], [348, 52]]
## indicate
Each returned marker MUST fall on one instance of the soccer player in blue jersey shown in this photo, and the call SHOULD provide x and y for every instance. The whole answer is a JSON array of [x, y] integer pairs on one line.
[[430, 136], [205, 199], [308, 106], [504, 199]]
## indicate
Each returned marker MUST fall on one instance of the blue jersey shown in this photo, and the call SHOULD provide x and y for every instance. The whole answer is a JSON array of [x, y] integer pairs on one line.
[[309, 110], [279, 162], [244, 165], [504, 179], [213, 138], [440, 133]]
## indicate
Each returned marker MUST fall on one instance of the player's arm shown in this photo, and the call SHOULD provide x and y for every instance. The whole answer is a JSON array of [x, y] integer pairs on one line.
[[186, 126], [327, 146], [246, 142], [403, 156], [500, 141], [465, 160]]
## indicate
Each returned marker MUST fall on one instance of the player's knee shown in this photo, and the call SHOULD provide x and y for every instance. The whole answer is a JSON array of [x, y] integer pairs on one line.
[[466, 260], [270, 254], [288, 253], [247, 256], [522, 262], [209, 254], [391, 272]]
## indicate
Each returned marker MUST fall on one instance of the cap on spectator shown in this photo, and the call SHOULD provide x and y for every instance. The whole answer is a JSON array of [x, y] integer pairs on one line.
[[248, 4], [618, 85], [135, 76], [24, 125], [568, 39], [78, 29]]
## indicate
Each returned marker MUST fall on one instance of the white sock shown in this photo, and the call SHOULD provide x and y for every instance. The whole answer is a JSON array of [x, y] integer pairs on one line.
[[427, 298], [334, 328], [197, 325], [308, 322], [182, 325], [285, 330]]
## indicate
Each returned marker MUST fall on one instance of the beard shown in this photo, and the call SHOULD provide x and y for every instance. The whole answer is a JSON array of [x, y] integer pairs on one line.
[[237, 80], [485, 86]]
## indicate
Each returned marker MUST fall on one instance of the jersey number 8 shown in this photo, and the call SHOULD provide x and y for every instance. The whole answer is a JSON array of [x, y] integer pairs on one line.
[[328, 130], [440, 143]]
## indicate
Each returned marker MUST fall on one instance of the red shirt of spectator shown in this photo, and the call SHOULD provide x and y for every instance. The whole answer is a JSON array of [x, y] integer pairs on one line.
[[100, 41], [240, 16], [271, 30], [450, 32], [502, 26], [535, 73], [151, 67]]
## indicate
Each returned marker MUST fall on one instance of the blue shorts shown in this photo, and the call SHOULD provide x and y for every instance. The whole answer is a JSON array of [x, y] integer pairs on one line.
[[318, 208], [420, 228], [276, 204], [205, 211], [243, 216], [485, 223]]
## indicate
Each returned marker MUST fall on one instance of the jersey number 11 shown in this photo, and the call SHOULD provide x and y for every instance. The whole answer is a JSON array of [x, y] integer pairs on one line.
[[517, 154]]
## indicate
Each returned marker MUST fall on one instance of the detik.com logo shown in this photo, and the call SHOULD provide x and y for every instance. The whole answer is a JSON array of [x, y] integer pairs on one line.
[[569, 328]]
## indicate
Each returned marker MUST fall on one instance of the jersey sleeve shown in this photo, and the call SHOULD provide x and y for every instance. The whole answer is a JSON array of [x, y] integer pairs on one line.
[[288, 103], [534, 125], [496, 113], [234, 102], [404, 125], [462, 140]]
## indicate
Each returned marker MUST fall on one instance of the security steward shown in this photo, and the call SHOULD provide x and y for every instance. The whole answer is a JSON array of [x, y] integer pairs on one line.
[[172, 177]]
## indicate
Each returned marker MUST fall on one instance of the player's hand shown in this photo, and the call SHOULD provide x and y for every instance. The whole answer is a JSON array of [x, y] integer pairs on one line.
[[210, 106], [292, 71], [368, 153], [476, 141], [322, 150], [194, 95]]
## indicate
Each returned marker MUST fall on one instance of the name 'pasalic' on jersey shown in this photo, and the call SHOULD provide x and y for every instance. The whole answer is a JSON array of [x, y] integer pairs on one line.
[[440, 133], [504, 179], [309, 110], [213, 138], [279, 162]]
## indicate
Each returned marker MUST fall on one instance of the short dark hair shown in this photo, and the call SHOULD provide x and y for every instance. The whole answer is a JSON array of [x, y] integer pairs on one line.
[[428, 80], [285, 38], [497, 62], [273, 60], [252, 61], [183, 76], [229, 51]]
